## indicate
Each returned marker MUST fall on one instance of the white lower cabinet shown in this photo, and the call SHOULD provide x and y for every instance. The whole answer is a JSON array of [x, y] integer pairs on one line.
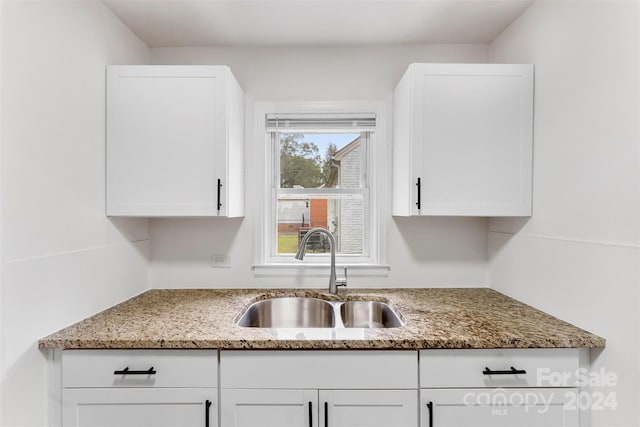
[[244, 388], [499, 388], [319, 388], [140, 388]]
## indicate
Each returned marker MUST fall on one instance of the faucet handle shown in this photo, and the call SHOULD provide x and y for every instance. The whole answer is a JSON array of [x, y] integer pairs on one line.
[[344, 281]]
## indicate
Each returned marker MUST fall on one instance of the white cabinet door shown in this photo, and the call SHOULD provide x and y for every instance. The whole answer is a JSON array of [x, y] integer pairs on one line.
[[463, 140], [526, 407], [334, 408], [168, 407], [174, 141], [269, 408], [368, 408]]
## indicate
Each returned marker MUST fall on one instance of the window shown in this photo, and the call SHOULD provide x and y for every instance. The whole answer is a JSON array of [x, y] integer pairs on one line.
[[319, 172], [321, 182]]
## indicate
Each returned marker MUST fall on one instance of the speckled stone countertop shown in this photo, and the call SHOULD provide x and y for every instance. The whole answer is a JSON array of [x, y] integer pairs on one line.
[[434, 318]]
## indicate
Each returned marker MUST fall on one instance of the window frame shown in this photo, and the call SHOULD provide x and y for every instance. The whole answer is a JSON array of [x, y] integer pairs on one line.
[[371, 264]]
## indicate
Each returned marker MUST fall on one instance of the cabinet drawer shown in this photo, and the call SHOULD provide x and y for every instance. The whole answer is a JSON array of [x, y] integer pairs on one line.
[[319, 369], [493, 368], [171, 368]]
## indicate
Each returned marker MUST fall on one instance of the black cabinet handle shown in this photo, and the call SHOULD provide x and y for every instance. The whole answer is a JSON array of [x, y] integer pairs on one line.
[[419, 185], [430, 408], [513, 370], [310, 414], [326, 414], [126, 371], [207, 406], [219, 187]]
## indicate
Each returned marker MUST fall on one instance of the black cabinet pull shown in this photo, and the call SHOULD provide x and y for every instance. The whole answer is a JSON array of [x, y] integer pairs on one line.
[[419, 185], [326, 414], [219, 187], [430, 408], [207, 406], [126, 371], [513, 370], [310, 415]]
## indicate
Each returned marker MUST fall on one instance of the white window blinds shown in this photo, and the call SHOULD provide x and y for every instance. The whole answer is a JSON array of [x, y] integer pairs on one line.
[[365, 122]]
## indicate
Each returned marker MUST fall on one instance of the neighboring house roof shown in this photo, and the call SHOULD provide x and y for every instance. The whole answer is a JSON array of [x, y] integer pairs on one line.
[[341, 153], [337, 158]]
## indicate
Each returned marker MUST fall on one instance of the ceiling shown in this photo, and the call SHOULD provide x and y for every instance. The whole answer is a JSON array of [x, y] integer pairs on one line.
[[315, 22]]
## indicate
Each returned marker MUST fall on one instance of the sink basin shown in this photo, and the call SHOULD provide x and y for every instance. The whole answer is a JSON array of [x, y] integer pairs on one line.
[[304, 312], [289, 313], [369, 314]]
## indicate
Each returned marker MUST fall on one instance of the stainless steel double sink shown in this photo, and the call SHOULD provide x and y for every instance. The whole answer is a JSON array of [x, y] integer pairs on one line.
[[305, 312]]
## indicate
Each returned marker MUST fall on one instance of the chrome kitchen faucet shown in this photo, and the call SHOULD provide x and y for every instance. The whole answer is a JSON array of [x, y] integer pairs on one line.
[[333, 286]]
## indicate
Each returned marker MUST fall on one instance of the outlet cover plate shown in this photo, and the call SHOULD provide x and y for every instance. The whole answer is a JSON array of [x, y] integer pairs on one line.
[[220, 261]]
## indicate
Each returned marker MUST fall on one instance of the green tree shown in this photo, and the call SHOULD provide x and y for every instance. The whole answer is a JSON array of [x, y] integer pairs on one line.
[[300, 162], [329, 166]]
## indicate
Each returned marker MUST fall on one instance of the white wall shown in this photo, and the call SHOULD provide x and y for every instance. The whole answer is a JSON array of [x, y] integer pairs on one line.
[[62, 259], [1, 283], [421, 252], [579, 256]]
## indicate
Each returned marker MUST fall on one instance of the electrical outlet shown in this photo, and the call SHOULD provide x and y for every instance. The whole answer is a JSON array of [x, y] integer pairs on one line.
[[220, 261]]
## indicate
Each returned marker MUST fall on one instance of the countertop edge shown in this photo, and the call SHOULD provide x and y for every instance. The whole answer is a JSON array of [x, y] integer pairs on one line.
[[114, 317]]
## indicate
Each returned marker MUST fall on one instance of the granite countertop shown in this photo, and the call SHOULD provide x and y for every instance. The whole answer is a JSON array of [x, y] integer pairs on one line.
[[434, 318]]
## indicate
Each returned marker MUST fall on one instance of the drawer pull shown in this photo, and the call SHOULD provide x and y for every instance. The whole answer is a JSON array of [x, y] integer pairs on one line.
[[513, 370], [430, 407], [326, 414], [207, 406], [310, 414], [126, 371]]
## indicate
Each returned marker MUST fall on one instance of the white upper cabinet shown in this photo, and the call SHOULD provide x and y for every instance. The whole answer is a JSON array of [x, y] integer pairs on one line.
[[462, 140], [175, 142]]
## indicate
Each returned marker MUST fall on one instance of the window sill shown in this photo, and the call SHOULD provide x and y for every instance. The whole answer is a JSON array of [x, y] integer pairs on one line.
[[319, 270]]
